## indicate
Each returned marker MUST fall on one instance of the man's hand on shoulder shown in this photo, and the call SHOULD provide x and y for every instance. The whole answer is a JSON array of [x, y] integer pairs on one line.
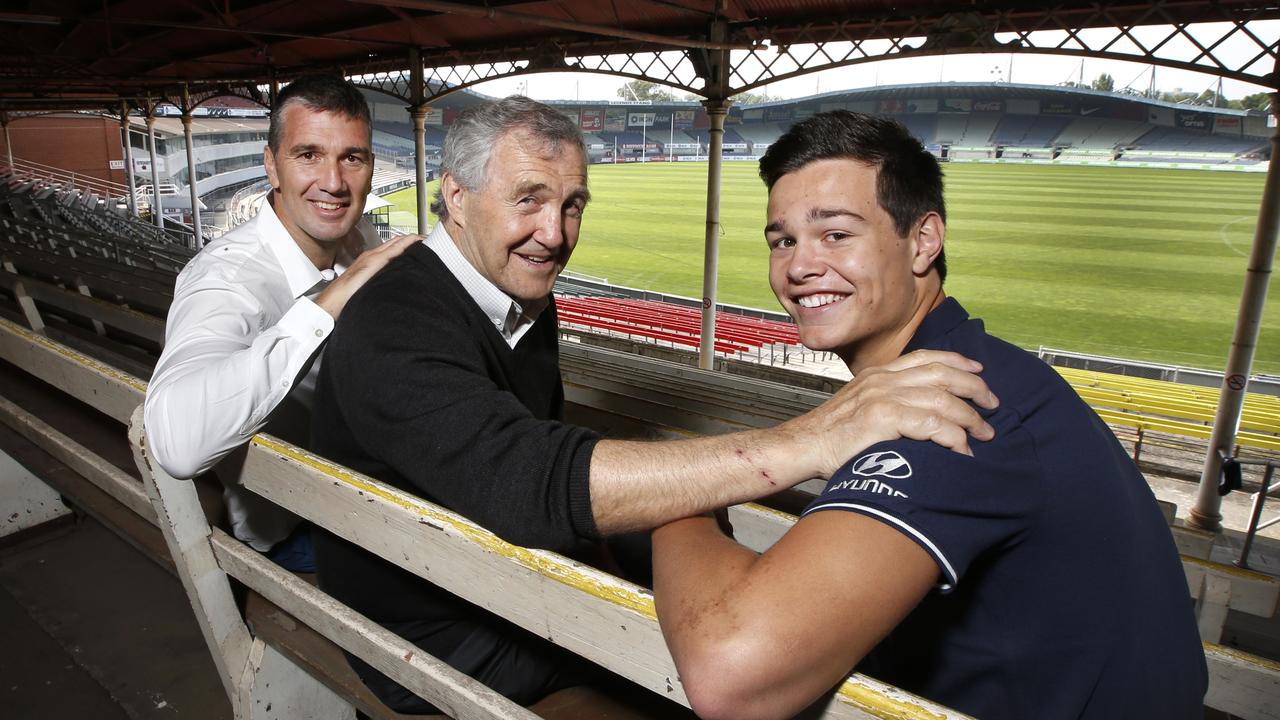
[[368, 264], [922, 395]]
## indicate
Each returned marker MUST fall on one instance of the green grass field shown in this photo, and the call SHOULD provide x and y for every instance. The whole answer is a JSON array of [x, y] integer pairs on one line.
[[1136, 263]]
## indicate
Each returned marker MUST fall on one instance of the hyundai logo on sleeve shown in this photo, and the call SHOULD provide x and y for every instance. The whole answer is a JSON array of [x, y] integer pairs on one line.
[[888, 464]]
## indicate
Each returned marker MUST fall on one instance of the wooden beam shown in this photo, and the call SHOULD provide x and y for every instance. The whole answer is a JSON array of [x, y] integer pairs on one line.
[[1241, 684], [456, 694], [110, 391]]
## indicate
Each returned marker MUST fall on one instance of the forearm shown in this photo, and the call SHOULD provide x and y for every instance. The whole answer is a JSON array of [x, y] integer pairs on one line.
[[695, 570], [764, 636], [736, 655], [640, 485], [214, 387], [922, 395]]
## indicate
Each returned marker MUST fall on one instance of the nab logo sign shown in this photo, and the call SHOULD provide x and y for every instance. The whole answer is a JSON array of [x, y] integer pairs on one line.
[[887, 464]]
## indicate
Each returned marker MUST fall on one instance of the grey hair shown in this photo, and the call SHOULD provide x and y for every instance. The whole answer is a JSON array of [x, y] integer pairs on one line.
[[471, 138]]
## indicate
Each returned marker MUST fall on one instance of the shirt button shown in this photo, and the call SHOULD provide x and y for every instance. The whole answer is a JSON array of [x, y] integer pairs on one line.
[[284, 383], [319, 332]]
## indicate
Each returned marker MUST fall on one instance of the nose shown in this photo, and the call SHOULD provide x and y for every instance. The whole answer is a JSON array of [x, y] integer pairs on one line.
[[549, 231], [330, 177], [805, 261]]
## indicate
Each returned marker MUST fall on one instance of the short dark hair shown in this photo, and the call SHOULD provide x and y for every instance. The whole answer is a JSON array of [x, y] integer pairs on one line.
[[908, 177], [321, 93]]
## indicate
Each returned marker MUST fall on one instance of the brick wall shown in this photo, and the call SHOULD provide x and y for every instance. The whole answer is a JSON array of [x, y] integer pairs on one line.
[[80, 144]]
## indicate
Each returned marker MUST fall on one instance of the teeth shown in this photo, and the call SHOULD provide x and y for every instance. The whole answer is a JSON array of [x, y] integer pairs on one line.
[[813, 301], [327, 206], [536, 260]]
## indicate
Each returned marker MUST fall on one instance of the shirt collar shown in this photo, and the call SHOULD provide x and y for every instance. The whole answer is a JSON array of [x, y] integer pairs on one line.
[[299, 271], [940, 321], [509, 317]]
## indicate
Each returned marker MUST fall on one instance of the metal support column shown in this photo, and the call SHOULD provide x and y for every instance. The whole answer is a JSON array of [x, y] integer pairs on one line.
[[126, 135], [197, 239], [417, 89], [157, 210], [420, 163], [716, 110], [1206, 513], [8, 145]]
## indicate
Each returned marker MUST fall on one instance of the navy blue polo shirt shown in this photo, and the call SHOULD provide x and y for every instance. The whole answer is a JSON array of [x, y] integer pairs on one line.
[[1060, 593]]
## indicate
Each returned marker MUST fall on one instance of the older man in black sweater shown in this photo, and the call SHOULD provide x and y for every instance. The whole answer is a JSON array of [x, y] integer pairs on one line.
[[442, 379]]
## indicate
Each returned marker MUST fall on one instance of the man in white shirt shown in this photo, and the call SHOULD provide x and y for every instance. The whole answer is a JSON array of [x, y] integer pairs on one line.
[[252, 310]]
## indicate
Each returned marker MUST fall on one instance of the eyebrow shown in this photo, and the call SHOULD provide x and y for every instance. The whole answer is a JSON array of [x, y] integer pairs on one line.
[[532, 188], [814, 215], [826, 213], [313, 147]]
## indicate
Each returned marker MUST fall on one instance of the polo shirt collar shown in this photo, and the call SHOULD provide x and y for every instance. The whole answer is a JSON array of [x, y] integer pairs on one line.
[[940, 321], [509, 318], [299, 271]]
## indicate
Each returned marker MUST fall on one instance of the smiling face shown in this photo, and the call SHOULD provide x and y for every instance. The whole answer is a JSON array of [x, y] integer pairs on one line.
[[839, 267], [321, 174], [520, 228]]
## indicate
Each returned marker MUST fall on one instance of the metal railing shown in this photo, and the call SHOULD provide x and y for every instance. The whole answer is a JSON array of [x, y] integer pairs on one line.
[[65, 179], [1258, 382], [1259, 500]]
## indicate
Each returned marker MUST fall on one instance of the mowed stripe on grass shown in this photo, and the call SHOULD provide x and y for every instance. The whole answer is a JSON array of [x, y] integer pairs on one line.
[[1138, 263]]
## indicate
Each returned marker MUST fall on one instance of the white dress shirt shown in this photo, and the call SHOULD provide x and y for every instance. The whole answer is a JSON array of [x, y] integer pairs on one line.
[[239, 343], [508, 316]]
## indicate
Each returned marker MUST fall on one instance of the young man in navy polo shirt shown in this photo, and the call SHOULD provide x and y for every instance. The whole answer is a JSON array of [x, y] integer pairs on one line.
[[1031, 576]]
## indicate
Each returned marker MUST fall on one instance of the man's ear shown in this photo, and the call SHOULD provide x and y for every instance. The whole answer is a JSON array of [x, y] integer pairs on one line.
[[269, 161], [930, 233], [454, 195]]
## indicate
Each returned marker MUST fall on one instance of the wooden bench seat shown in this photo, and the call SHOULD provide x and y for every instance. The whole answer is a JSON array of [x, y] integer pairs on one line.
[[324, 660], [1184, 428]]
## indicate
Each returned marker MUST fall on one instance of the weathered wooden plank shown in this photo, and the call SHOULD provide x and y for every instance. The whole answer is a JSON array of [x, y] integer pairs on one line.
[[83, 305], [1211, 607], [757, 526], [455, 693], [1251, 592], [272, 687], [186, 531], [25, 502], [134, 529], [101, 386], [111, 479], [28, 306], [95, 273], [676, 396], [1193, 542], [314, 653], [1241, 684]]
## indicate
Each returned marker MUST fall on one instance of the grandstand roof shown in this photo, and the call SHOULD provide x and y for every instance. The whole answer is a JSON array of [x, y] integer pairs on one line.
[[172, 126], [88, 53], [914, 91]]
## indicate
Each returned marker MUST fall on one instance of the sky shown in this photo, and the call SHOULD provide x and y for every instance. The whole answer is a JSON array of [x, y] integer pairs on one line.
[[997, 67]]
